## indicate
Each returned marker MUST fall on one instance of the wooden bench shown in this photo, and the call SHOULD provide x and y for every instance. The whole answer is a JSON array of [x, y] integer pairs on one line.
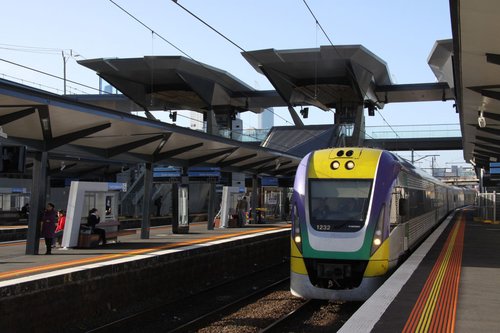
[[110, 227], [88, 240], [92, 240]]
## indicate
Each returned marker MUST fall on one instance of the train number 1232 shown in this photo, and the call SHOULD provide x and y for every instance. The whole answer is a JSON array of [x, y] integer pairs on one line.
[[323, 227]]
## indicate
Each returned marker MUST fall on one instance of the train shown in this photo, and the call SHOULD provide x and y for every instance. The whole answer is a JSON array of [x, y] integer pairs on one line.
[[356, 214]]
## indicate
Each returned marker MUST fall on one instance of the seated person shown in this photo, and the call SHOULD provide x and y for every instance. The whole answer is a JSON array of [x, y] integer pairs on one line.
[[25, 211], [61, 221], [94, 219]]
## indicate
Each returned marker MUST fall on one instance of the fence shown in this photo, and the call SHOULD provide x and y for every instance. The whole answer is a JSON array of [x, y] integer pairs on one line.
[[488, 207]]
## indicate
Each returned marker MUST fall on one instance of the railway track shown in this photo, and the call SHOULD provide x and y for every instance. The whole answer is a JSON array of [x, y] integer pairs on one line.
[[260, 302], [201, 306], [281, 321], [314, 316], [216, 313]]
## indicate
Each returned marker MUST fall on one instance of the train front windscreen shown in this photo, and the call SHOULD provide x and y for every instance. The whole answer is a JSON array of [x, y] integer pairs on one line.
[[338, 205]]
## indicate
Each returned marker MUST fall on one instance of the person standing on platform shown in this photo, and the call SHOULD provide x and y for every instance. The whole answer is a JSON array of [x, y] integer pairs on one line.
[[49, 221], [241, 208], [158, 205], [92, 220], [25, 211]]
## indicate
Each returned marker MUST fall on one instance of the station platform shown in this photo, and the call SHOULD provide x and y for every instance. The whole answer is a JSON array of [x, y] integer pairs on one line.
[[14, 263], [96, 286], [451, 283]]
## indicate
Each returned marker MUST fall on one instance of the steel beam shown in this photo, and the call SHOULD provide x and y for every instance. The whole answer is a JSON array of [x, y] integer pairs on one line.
[[37, 202]]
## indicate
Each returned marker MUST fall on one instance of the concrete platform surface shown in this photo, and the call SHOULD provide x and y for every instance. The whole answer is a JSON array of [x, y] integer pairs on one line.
[[14, 263], [451, 283]]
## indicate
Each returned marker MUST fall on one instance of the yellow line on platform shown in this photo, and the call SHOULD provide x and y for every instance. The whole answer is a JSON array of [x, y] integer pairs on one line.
[[430, 304], [101, 258]]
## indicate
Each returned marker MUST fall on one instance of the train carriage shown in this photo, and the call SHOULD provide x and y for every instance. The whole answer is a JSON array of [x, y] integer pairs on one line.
[[356, 212]]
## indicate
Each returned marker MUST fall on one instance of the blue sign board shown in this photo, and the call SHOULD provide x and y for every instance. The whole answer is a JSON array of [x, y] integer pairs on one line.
[[117, 187], [166, 172], [269, 181], [204, 172], [494, 168]]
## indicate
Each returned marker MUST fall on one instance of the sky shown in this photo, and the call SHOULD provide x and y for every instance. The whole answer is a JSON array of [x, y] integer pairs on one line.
[[36, 33]]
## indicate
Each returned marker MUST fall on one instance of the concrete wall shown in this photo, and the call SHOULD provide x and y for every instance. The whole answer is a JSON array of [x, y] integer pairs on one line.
[[81, 300]]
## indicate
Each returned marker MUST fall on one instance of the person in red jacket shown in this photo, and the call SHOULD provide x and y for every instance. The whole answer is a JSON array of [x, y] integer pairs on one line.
[[61, 221]]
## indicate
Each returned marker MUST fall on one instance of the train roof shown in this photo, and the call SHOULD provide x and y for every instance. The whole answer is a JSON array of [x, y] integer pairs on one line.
[[417, 171]]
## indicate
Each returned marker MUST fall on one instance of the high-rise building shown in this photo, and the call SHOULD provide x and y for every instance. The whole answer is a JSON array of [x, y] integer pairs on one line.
[[266, 119], [197, 122]]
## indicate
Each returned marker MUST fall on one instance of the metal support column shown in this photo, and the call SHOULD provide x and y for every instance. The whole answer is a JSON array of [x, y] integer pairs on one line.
[[255, 181], [37, 202], [212, 127], [494, 206], [212, 195], [175, 207], [358, 135], [146, 201]]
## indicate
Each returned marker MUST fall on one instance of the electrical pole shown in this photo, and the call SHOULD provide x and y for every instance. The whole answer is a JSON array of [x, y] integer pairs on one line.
[[64, 71], [65, 59]]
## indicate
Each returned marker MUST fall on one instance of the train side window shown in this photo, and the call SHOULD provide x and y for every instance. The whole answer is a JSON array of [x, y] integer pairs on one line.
[[403, 207]]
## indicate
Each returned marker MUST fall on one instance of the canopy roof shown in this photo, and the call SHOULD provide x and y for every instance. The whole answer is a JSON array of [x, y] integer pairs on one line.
[[72, 131], [175, 82], [476, 69]]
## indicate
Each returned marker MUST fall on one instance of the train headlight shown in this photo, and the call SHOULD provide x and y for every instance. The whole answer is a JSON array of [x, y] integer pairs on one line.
[[335, 165], [377, 240], [349, 165], [378, 235], [296, 228]]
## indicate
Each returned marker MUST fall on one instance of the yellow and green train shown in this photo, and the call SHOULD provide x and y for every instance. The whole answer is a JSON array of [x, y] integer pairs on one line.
[[356, 213]]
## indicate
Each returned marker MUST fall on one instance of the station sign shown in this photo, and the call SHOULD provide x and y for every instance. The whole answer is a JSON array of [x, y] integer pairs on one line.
[[269, 181], [117, 187], [204, 172], [494, 168], [167, 172]]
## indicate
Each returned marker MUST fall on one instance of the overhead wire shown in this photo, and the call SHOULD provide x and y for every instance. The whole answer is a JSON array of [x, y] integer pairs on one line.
[[337, 51], [150, 29], [57, 51], [176, 47], [51, 75], [31, 49], [39, 84], [250, 55], [187, 55], [184, 53], [238, 46]]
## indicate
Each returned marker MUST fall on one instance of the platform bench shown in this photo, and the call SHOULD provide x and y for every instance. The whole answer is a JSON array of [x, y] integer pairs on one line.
[[86, 240]]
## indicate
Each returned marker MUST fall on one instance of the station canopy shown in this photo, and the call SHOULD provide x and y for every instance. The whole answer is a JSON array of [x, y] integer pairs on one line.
[[476, 77], [328, 76], [179, 83], [74, 133]]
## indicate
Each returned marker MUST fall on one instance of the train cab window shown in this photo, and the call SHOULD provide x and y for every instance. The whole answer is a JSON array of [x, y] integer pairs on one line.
[[338, 205]]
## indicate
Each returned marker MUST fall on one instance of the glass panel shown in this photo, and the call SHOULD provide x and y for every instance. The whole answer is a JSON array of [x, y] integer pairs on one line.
[[339, 205]]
